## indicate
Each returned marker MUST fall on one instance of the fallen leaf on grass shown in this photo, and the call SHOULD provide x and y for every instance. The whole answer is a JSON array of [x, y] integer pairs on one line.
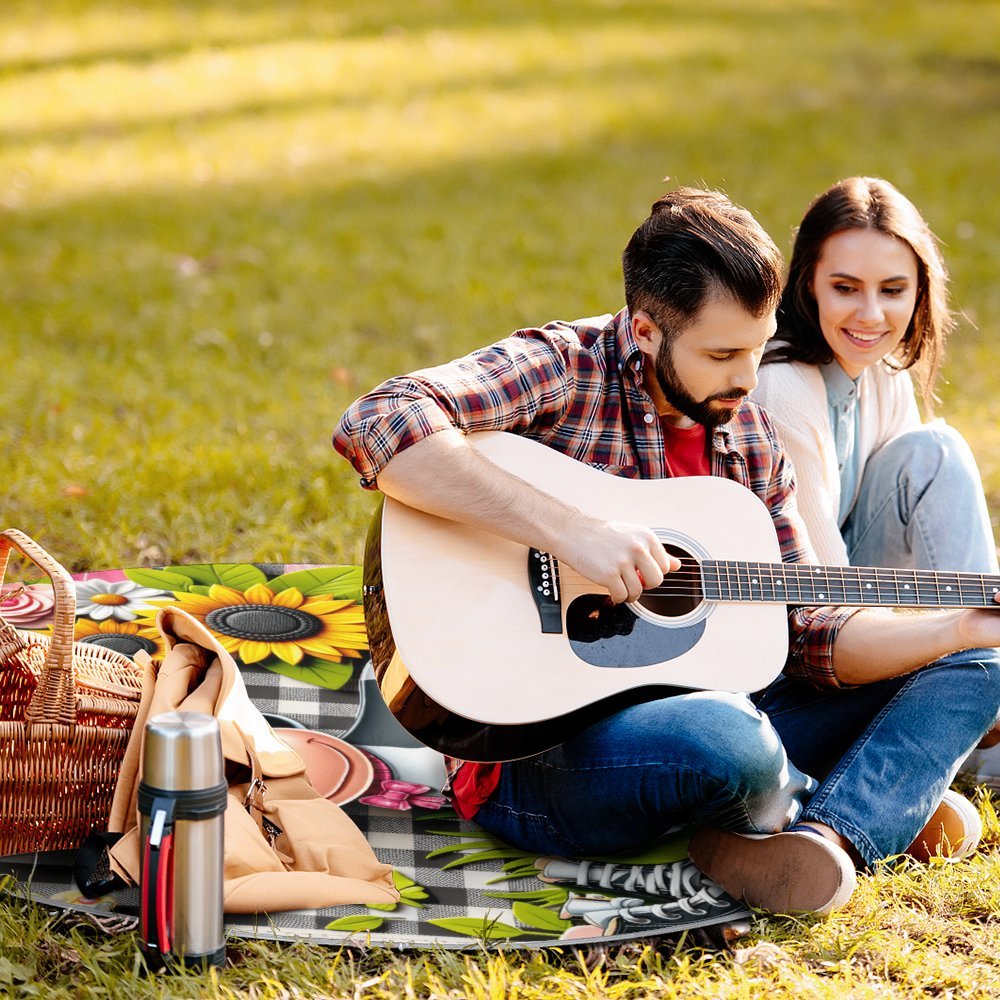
[[765, 954]]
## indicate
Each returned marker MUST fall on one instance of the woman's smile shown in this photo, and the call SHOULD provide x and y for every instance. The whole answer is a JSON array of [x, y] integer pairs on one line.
[[865, 285]]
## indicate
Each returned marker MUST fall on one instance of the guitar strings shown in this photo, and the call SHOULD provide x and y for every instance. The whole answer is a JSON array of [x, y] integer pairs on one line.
[[690, 581], [834, 598]]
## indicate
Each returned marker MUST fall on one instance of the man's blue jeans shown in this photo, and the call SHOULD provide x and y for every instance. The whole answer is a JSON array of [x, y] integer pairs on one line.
[[886, 752], [872, 762]]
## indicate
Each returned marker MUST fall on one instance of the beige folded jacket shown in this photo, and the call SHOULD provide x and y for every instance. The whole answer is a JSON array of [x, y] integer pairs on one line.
[[286, 847]]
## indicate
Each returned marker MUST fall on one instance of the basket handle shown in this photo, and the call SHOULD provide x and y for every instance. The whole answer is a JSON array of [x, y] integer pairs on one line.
[[54, 700]]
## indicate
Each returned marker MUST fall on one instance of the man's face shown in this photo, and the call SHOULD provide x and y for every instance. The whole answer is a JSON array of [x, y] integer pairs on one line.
[[703, 374]]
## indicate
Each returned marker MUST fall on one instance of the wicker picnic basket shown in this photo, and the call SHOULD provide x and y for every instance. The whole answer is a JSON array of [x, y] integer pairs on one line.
[[66, 711]]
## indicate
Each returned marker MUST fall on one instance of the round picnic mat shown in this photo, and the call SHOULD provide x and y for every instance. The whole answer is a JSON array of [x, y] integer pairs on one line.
[[459, 886]]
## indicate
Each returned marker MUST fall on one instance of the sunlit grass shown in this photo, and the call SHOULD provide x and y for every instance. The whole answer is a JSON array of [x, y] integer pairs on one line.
[[913, 932], [357, 107]]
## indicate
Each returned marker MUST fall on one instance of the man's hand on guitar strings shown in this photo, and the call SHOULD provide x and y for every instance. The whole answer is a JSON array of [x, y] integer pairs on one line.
[[624, 558]]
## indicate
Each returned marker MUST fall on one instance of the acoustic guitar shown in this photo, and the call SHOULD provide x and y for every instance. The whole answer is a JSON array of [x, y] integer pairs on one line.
[[485, 649]]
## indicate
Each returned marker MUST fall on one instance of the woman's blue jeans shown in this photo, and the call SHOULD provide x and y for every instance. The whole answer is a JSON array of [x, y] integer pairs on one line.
[[920, 505], [872, 762]]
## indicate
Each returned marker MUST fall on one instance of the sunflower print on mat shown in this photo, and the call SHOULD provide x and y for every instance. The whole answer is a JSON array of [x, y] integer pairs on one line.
[[257, 623]]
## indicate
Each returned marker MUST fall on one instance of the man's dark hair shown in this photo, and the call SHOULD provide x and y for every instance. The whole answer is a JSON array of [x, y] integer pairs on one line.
[[694, 244]]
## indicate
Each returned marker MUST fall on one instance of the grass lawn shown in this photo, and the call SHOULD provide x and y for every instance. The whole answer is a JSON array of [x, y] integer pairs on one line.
[[222, 221]]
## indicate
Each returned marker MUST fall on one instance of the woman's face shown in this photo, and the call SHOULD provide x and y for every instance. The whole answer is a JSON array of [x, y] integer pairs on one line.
[[865, 285]]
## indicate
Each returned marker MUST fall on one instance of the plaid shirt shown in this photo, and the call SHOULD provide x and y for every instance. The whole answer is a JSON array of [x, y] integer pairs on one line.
[[577, 387]]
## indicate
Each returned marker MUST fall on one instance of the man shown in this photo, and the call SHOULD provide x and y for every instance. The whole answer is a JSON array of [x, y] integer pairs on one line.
[[851, 750]]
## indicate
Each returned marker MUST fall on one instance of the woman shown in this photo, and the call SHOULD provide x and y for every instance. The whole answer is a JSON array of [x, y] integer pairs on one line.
[[864, 306]]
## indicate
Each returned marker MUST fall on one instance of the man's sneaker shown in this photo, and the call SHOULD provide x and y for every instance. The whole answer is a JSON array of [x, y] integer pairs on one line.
[[953, 831], [789, 872]]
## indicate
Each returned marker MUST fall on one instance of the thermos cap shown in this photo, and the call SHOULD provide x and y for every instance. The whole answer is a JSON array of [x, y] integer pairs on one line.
[[182, 752]]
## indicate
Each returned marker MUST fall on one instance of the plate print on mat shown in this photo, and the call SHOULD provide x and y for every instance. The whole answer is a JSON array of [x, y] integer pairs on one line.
[[297, 634]]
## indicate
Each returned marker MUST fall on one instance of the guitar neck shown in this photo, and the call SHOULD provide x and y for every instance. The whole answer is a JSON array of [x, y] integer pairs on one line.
[[801, 583]]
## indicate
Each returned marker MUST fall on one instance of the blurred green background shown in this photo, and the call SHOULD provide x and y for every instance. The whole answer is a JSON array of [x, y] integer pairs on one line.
[[222, 221]]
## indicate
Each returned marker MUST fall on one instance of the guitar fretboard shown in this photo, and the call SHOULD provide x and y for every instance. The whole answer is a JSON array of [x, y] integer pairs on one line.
[[792, 583]]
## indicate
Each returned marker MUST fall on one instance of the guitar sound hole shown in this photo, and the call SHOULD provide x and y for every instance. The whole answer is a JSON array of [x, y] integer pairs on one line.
[[680, 593]]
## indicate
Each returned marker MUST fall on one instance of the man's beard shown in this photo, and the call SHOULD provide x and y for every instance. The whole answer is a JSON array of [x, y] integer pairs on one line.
[[680, 399]]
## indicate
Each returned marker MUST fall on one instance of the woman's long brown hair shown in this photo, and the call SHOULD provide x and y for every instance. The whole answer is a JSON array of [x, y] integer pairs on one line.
[[866, 203]]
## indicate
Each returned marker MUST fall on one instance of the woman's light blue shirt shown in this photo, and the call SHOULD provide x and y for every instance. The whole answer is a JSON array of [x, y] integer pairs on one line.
[[842, 402]]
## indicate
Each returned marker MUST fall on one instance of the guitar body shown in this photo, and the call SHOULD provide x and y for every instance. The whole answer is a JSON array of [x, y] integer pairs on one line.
[[477, 664]]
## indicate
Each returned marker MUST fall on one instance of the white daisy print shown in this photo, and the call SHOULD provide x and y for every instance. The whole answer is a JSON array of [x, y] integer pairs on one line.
[[101, 599]]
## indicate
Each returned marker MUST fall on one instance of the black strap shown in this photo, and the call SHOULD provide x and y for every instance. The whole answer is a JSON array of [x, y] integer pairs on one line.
[[92, 865]]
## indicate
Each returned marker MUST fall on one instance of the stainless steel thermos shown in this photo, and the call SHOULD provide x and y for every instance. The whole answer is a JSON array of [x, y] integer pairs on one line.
[[182, 801]]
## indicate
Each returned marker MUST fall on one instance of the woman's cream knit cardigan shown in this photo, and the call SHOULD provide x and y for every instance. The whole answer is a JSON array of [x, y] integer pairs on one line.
[[794, 395]]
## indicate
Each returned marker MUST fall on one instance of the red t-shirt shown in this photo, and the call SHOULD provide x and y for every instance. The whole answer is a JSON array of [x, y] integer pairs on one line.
[[686, 455], [686, 450], [472, 786]]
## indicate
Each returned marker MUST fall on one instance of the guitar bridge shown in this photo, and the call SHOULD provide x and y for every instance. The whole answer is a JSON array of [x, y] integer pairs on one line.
[[543, 577]]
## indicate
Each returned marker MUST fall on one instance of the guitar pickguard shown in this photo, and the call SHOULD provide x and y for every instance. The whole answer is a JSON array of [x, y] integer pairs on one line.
[[613, 635]]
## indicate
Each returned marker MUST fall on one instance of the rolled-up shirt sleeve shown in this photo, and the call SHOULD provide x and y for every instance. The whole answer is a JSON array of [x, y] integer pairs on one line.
[[515, 384], [812, 632]]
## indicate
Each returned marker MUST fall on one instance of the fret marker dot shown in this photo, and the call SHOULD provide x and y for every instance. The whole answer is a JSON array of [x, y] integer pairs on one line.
[[906, 586], [947, 588], [823, 596], [868, 586], [780, 582], [753, 579]]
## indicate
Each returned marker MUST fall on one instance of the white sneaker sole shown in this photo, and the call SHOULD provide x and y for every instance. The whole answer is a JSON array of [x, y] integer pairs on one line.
[[781, 872]]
